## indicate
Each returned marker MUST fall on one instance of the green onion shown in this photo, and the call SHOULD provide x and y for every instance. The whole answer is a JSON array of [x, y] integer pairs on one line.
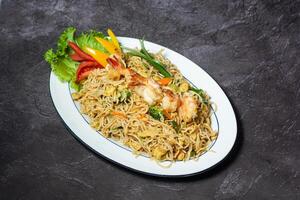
[[201, 93], [157, 65], [144, 50], [175, 125], [116, 128], [124, 95], [193, 153]]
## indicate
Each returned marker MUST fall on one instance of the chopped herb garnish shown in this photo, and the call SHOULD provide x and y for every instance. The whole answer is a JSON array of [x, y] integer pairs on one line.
[[124, 95], [156, 113], [201, 93], [146, 56], [193, 153], [175, 125]]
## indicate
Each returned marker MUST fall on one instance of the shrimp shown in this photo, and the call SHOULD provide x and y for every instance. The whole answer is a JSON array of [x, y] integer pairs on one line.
[[117, 63], [170, 101], [144, 87], [188, 108]]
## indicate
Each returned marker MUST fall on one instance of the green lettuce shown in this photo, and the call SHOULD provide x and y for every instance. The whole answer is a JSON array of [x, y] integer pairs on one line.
[[62, 45], [63, 67], [88, 39], [61, 64]]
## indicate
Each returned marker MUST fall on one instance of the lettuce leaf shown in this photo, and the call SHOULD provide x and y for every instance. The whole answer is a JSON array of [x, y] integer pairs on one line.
[[63, 67], [62, 45], [88, 39], [74, 85], [61, 64]]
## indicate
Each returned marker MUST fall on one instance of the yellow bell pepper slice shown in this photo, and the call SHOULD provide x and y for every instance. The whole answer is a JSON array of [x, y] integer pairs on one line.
[[99, 56], [113, 38], [111, 48]]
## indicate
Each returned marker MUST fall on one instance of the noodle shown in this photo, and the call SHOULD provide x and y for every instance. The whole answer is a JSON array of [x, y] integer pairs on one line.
[[127, 120]]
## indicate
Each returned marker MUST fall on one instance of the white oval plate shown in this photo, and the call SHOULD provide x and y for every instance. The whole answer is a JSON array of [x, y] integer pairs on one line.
[[223, 121]]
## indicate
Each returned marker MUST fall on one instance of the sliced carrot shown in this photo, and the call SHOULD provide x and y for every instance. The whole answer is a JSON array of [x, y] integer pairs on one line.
[[167, 114], [164, 81], [119, 114], [142, 117]]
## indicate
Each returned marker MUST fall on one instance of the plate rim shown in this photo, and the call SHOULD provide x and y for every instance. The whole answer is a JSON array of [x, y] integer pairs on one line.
[[119, 164]]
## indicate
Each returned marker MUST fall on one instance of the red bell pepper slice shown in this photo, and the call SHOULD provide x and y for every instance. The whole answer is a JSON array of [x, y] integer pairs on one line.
[[80, 53], [76, 57], [85, 68]]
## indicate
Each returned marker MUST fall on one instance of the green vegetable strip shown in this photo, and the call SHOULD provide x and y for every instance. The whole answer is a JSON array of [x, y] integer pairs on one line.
[[201, 93], [144, 50], [156, 113], [175, 125], [151, 61], [124, 95]]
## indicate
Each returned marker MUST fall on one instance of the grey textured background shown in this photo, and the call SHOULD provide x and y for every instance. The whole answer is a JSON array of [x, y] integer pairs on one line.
[[250, 47]]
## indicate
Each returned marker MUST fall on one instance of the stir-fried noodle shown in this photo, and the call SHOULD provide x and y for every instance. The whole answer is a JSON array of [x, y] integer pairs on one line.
[[163, 121]]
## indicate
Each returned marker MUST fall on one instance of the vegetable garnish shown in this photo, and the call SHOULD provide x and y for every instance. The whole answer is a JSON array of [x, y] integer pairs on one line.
[[65, 60], [99, 56], [156, 113], [151, 61], [124, 95], [61, 64], [63, 67], [119, 114], [85, 69], [111, 48], [201, 93], [76, 57], [88, 39], [144, 50], [113, 38], [165, 81], [174, 125], [62, 44], [79, 53], [167, 114]]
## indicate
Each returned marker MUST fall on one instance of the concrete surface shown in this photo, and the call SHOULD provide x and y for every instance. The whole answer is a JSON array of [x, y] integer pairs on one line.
[[250, 47]]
